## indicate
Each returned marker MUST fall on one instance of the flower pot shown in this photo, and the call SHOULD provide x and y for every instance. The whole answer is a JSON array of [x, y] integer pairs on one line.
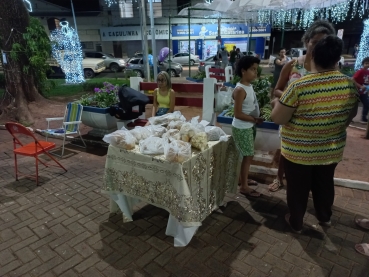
[[267, 133], [100, 120]]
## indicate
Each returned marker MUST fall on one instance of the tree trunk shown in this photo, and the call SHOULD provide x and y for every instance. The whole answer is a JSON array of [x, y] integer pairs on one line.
[[20, 85]]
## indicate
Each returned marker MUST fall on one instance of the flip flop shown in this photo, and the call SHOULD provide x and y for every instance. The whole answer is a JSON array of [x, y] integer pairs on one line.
[[252, 193], [275, 186], [287, 219], [362, 248], [363, 223], [252, 182]]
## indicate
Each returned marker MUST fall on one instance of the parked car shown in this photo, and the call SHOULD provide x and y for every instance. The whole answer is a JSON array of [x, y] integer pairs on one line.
[[114, 64], [136, 65], [208, 61], [91, 67], [298, 52], [182, 58]]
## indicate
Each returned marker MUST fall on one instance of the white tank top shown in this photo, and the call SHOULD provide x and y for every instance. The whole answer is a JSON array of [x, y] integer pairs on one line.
[[250, 106]]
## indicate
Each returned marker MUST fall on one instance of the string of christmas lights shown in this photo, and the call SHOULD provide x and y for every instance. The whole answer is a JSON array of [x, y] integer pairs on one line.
[[363, 46], [67, 50]]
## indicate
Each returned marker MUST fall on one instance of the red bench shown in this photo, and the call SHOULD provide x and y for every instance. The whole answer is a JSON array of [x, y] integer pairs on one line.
[[181, 90]]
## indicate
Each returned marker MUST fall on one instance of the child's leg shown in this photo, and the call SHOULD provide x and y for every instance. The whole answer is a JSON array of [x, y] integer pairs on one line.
[[245, 168]]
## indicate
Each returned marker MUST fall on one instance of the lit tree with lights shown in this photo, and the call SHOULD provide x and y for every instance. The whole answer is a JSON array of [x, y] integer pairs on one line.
[[364, 45], [25, 48]]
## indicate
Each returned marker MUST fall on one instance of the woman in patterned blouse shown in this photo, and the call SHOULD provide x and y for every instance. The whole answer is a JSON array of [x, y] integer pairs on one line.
[[315, 111]]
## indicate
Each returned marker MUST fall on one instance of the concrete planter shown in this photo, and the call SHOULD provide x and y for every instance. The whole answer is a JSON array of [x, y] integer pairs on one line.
[[100, 120], [194, 80], [267, 135]]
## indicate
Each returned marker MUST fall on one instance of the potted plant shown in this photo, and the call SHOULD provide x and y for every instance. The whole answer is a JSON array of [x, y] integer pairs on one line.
[[348, 70], [96, 109], [267, 133]]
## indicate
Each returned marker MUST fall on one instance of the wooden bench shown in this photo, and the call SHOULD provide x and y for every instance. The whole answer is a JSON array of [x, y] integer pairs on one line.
[[218, 74], [187, 94]]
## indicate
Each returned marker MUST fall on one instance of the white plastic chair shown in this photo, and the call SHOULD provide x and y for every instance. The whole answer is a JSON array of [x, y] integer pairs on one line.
[[71, 122]]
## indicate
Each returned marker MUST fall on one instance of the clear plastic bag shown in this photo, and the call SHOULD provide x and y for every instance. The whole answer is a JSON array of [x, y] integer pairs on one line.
[[214, 133], [223, 99], [175, 124], [152, 146], [121, 138], [172, 134], [187, 131], [177, 151], [156, 130], [200, 141], [140, 133], [166, 118]]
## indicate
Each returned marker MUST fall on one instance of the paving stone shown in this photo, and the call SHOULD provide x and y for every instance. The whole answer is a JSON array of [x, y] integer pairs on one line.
[[25, 255], [6, 257]]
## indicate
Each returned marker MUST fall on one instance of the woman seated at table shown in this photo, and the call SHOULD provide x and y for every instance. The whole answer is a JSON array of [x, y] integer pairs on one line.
[[164, 96]]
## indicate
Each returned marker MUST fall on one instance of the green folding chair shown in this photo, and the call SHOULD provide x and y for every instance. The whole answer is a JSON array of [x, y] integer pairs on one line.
[[70, 126]]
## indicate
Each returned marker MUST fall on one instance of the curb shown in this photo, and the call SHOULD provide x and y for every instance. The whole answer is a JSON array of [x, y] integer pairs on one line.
[[347, 183]]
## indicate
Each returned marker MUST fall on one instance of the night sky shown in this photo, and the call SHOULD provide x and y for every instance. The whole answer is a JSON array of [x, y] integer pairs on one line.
[[79, 5]]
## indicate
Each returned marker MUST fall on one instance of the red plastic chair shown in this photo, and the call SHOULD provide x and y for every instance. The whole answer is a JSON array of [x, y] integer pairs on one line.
[[32, 149]]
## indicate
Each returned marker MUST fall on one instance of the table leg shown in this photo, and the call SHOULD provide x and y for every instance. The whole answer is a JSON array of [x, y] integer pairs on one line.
[[113, 206], [182, 235]]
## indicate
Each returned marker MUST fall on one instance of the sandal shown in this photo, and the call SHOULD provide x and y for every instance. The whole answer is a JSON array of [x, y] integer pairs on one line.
[[251, 193], [252, 182], [363, 223], [275, 186], [362, 248], [287, 218]]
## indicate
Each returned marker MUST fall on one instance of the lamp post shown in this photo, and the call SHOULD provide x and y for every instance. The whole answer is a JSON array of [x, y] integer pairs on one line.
[[74, 16], [153, 42]]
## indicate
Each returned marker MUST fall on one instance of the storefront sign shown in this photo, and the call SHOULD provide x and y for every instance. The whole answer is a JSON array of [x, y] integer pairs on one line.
[[131, 33], [210, 31]]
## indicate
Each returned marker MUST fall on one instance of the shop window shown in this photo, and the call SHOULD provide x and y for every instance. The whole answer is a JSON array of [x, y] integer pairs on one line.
[[87, 45], [126, 8], [157, 8]]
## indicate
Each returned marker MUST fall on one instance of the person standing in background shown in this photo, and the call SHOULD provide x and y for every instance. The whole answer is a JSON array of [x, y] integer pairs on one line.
[[232, 58], [224, 53], [279, 62]]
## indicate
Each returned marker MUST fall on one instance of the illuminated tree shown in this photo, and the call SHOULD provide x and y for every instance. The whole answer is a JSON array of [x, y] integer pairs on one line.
[[364, 45]]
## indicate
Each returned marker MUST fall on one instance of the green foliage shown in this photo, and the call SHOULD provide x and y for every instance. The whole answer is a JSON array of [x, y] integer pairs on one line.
[[260, 70], [102, 98], [200, 75], [235, 80], [348, 70], [261, 87], [37, 51]]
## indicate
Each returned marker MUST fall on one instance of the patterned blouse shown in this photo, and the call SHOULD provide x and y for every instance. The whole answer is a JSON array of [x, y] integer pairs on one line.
[[316, 133]]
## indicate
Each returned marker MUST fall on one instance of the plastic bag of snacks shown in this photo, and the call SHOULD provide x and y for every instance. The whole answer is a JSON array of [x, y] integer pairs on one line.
[[215, 133], [175, 124], [172, 134], [200, 141], [152, 146], [122, 139], [166, 118], [140, 133], [177, 151], [156, 130], [188, 131]]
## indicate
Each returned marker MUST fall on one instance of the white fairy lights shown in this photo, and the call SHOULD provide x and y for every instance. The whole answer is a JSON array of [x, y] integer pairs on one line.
[[302, 18], [111, 2], [67, 50], [364, 45], [28, 5]]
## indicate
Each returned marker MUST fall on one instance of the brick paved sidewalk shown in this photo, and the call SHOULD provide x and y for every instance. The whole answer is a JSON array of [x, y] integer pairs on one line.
[[63, 228]]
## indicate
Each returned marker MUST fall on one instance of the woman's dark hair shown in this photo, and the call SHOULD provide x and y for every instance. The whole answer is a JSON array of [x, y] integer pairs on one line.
[[282, 48], [245, 63], [327, 51], [365, 60], [318, 27]]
